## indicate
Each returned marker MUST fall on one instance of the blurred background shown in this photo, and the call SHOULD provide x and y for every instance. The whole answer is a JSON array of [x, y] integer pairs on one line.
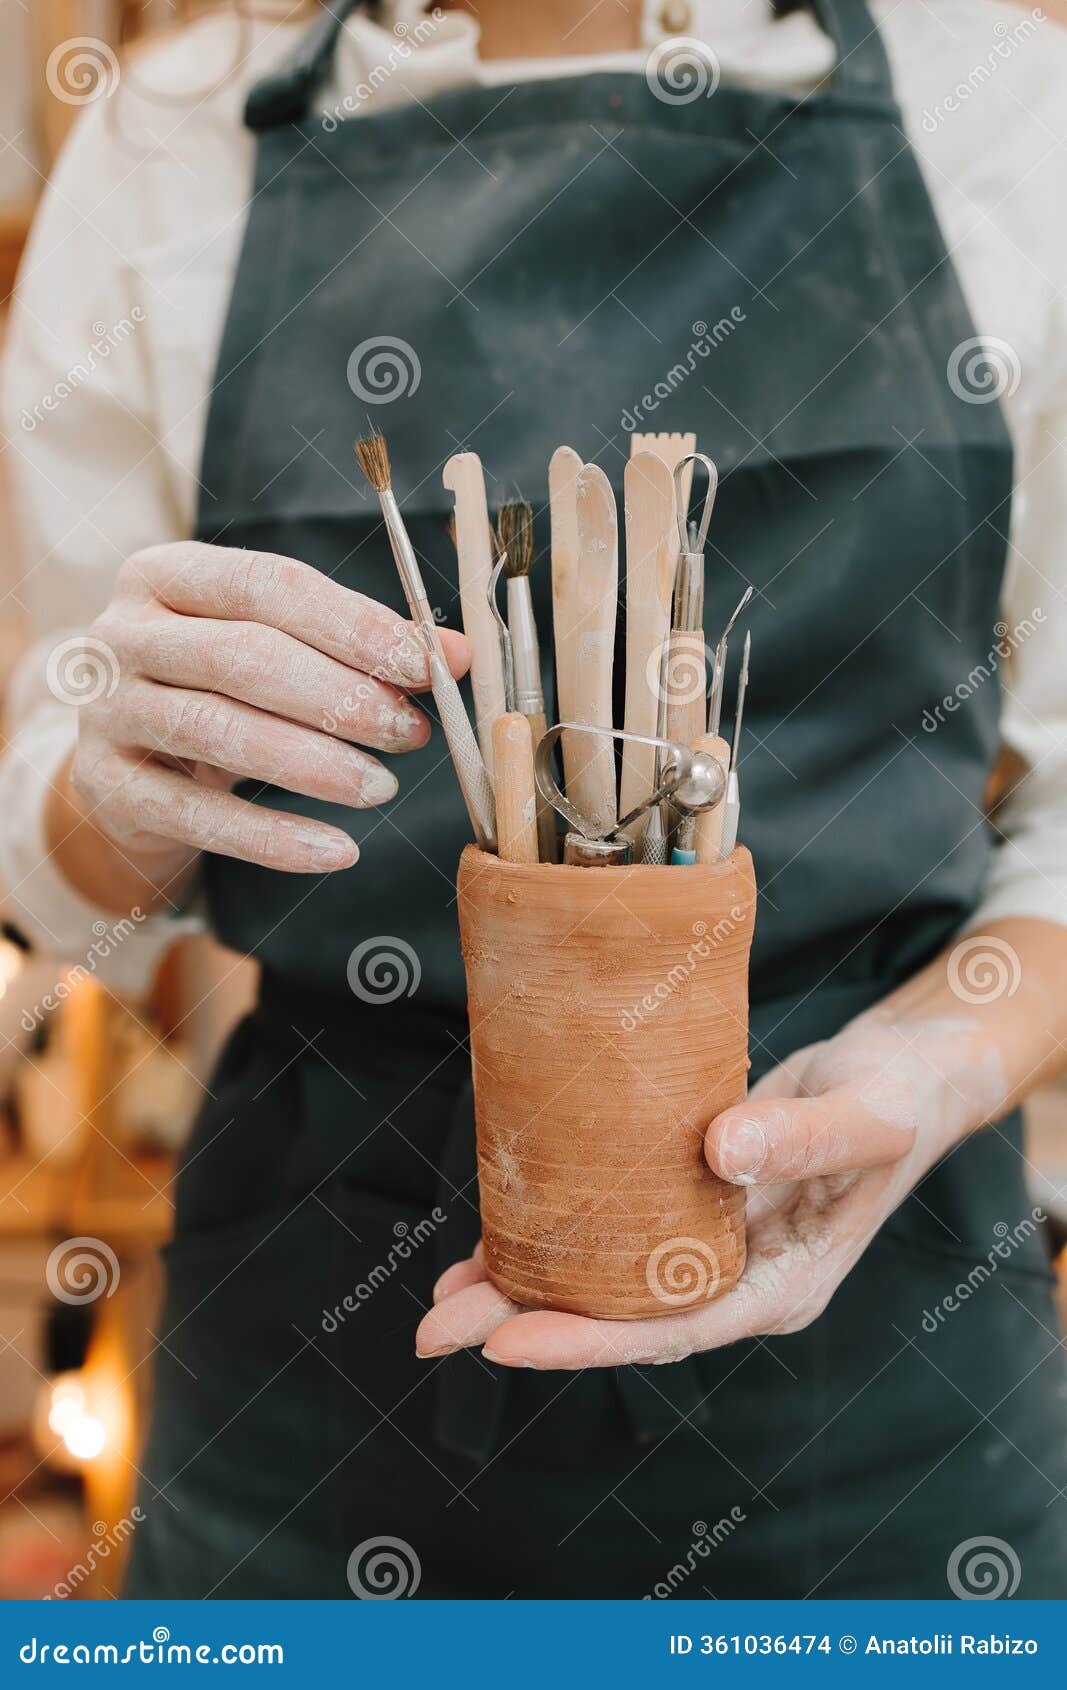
[[98, 1092]]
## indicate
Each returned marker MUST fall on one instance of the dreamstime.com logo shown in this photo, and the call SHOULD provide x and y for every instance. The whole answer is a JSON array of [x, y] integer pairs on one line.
[[1009, 1239], [983, 369], [677, 978], [984, 968], [383, 1569], [384, 368], [82, 70], [683, 1271], [406, 38], [408, 1240], [983, 1569], [383, 969], [681, 70], [1007, 643], [105, 341], [105, 1541], [705, 1539], [108, 937], [706, 338], [155, 1651], [81, 1270], [81, 670]]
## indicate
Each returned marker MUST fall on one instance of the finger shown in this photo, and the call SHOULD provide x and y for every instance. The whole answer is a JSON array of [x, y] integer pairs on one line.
[[283, 593], [457, 1278], [762, 1140], [164, 803], [470, 1317], [275, 672], [248, 743]]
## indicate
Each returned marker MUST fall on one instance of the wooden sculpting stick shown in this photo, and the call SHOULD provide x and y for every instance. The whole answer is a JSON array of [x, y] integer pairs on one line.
[[563, 471], [463, 477], [708, 841], [516, 793], [651, 547], [589, 629], [669, 448]]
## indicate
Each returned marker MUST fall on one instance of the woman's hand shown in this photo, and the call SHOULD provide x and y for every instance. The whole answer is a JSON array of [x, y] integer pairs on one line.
[[829, 1144], [232, 665]]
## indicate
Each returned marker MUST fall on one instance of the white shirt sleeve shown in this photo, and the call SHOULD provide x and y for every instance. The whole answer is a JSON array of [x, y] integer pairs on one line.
[[90, 485]]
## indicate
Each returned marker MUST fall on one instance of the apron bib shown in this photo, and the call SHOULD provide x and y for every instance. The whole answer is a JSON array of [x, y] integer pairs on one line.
[[564, 261]]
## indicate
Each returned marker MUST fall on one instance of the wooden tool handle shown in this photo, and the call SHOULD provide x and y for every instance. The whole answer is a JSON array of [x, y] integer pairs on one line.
[[651, 550], [464, 478], [546, 815], [516, 793], [709, 824], [687, 703]]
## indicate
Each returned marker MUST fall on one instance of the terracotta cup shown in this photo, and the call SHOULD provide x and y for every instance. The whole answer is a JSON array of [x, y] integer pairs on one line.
[[609, 1024]]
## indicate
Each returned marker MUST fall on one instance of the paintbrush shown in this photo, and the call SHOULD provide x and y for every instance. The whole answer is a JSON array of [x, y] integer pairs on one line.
[[373, 456], [514, 528]]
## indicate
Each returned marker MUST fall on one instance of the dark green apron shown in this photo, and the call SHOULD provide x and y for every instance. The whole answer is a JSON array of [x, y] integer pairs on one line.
[[565, 260]]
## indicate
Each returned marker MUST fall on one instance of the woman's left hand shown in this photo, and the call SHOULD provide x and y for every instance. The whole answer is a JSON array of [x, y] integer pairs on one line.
[[828, 1144]]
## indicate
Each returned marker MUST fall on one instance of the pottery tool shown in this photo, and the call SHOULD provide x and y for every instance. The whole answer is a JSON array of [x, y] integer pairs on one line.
[[648, 500], [507, 656], [670, 449], [463, 477], [687, 659], [585, 602], [565, 466], [719, 668], [516, 794], [514, 526], [732, 805], [693, 781], [373, 456]]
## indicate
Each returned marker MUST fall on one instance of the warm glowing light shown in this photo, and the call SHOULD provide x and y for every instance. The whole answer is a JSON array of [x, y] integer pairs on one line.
[[82, 1433]]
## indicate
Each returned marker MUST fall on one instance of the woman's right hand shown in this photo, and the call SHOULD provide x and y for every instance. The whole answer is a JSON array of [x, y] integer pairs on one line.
[[226, 665]]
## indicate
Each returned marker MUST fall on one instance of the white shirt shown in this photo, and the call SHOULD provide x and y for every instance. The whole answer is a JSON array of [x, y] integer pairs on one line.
[[132, 258]]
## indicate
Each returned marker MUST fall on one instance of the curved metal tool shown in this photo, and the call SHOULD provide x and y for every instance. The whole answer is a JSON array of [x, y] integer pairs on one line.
[[692, 778], [507, 656], [686, 547]]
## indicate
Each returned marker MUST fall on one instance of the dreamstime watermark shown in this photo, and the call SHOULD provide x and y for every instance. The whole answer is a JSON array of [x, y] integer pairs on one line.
[[984, 968], [683, 1271], [705, 340], [705, 940], [683, 678], [408, 1240], [983, 1569], [105, 1541], [983, 369], [1007, 38], [383, 969], [383, 368], [81, 70], [82, 669], [383, 1569], [706, 1539], [105, 342], [682, 69], [109, 936], [1009, 1239], [1007, 642], [406, 39], [81, 1270]]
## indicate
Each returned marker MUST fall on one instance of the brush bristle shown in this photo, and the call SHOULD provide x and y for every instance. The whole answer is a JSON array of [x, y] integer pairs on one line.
[[373, 455], [514, 532]]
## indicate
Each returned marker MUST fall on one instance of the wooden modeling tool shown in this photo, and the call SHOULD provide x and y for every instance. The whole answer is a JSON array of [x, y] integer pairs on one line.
[[516, 794], [463, 477], [373, 456], [515, 543], [670, 449], [651, 551], [589, 614], [565, 466], [707, 843]]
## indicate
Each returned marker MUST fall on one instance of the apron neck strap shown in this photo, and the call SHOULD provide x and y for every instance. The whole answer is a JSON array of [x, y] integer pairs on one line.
[[862, 66], [285, 95]]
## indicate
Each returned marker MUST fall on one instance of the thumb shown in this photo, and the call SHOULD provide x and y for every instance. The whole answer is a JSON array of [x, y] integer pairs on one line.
[[766, 1140]]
